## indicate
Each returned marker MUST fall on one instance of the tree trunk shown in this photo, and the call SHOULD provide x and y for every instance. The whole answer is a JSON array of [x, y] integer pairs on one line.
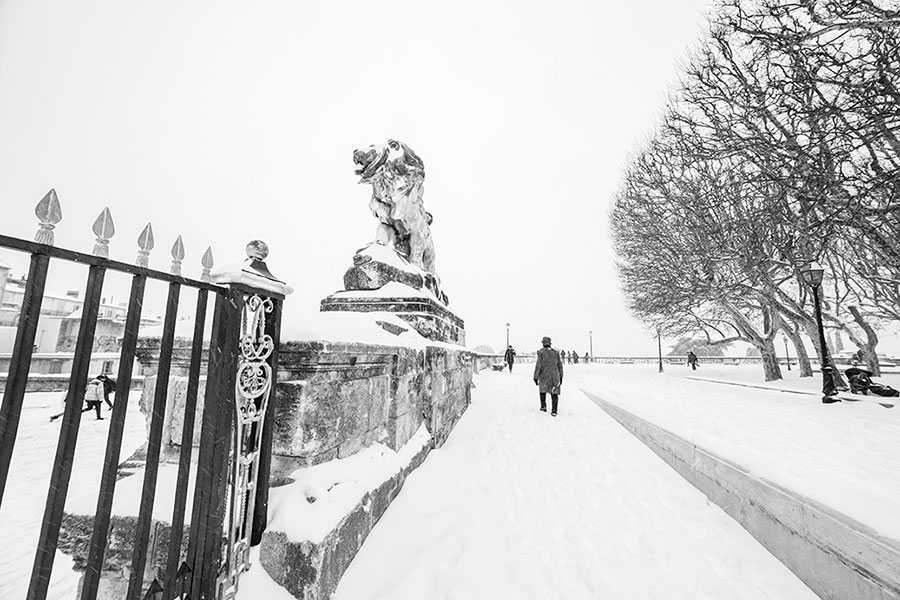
[[838, 342], [871, 360], [771, 369], [867, 346], [813, 332], [763, 343], [800, 350]]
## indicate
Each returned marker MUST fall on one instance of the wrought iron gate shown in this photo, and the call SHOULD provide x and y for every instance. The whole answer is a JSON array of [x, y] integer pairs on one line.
[[235, 438]]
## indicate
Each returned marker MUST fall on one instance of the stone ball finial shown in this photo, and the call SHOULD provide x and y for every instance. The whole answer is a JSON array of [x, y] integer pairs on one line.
[[257, 250]]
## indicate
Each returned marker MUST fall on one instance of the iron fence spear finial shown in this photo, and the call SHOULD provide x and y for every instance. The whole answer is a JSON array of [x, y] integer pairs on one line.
[[207, 262], [49, 213], [104, 229], [145, 245], [177, 256]]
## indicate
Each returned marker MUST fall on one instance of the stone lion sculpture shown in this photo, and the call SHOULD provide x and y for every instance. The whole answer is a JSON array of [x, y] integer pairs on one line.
[[397, 176]]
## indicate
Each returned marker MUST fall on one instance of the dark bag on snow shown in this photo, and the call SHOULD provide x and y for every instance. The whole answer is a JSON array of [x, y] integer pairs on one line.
[[879, 389]]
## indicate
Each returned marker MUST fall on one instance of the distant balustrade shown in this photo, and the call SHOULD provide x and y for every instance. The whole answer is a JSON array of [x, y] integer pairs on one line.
[[485, 360]]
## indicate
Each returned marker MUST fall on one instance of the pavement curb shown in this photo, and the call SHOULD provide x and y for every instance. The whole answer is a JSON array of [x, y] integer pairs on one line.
[[837, 557]]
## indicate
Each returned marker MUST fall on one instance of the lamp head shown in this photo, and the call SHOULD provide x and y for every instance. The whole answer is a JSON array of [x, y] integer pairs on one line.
[[812, 273]]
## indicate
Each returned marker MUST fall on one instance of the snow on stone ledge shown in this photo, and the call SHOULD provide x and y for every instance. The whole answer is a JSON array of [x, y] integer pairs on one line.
[[314, 504], [328, 326], [351, 327], [392, 289], [390, 257]]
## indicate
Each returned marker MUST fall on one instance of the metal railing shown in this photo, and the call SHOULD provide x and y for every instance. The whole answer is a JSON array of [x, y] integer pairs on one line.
[[529, 357], [235, 438]]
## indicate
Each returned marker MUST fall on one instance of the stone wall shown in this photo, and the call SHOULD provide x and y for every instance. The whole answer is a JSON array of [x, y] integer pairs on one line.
[[312, 571], [147, 357], [57, 383], [333, 399]]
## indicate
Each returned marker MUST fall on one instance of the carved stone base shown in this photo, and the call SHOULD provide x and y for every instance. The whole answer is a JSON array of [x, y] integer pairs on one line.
[[427, 316], [376, 265]]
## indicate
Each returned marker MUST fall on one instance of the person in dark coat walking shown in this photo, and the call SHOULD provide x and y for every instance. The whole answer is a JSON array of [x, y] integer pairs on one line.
[[548, 375], [562, 356], [692, 360], [510, 357]]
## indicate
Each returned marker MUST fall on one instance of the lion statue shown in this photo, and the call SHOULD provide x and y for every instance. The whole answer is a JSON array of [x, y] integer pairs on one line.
[[397, 177]]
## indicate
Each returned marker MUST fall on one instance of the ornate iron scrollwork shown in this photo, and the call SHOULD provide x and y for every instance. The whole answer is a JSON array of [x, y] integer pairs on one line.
[[252, 390]]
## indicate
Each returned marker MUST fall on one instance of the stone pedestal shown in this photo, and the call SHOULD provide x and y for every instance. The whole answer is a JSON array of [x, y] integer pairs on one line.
[[383, 280], [430, 318]]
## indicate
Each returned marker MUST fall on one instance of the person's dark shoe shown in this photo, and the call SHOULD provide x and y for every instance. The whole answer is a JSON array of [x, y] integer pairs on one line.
[[543, 409], [553, 414], [830, 400]]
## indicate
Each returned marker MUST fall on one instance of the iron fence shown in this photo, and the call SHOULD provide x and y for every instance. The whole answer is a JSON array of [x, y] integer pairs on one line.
[[235, 437]]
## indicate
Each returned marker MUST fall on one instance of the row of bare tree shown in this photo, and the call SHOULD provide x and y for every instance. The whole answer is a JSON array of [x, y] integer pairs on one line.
[[779, 146]]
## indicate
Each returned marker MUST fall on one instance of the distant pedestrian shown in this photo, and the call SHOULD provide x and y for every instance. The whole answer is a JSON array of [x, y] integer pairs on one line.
[[510, 357], [692, 360], [587, 358], [574, 356], [562, 356], [548, 375], [97, 391]]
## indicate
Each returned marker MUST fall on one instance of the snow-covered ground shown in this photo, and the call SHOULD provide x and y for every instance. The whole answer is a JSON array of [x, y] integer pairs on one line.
[[844, 455], [29, 479], [518, 504]]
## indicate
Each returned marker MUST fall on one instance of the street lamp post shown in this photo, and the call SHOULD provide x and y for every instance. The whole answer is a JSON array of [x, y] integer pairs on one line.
[[591, 344], [659, 347], [507, 335], [812, 276], [786, 353]]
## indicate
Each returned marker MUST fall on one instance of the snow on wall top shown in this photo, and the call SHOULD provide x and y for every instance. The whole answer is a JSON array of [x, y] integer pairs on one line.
[[322, 495]]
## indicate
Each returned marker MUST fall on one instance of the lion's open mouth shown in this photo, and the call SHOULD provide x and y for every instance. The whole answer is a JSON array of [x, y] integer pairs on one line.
[[368, 162]]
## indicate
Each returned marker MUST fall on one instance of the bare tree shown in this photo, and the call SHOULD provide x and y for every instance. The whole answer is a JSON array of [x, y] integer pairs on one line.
[[780, 146]]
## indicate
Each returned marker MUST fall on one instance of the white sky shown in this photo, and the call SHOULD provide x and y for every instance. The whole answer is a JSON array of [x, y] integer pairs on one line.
[[226, 121]]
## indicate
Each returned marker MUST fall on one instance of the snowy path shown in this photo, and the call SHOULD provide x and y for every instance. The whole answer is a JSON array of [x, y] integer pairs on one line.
[[29, 479], [520, 505], [845, 455]]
